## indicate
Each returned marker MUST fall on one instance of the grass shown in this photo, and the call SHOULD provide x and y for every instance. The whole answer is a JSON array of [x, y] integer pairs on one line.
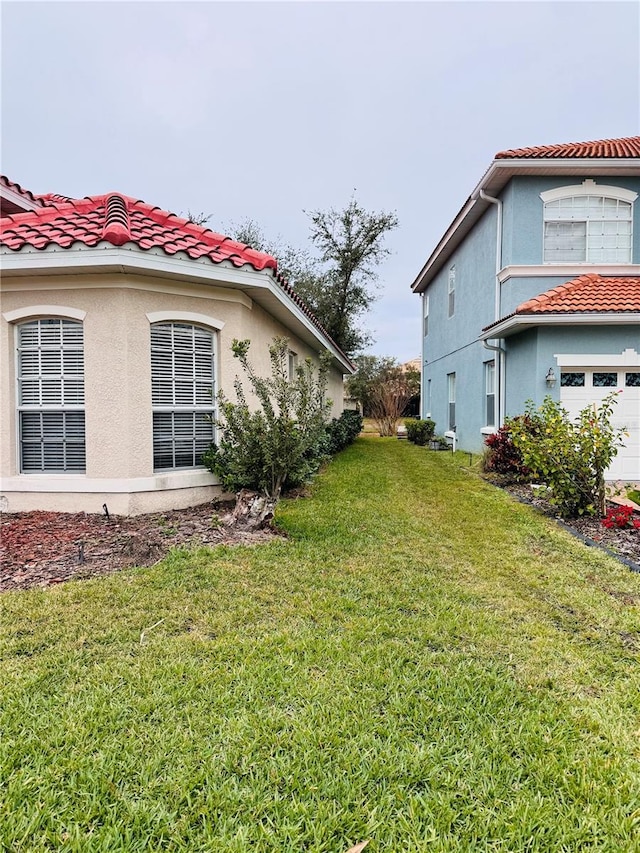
[[423, 663]]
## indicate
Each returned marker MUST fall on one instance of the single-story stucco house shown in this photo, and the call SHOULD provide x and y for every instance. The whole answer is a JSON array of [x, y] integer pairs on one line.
[[116, 324]]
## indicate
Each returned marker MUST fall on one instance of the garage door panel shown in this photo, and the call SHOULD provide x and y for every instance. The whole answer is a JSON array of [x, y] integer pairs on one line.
[[626, 413]]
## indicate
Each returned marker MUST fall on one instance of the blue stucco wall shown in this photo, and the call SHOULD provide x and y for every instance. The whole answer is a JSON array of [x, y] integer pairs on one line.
[[530, 354], [452, 345]]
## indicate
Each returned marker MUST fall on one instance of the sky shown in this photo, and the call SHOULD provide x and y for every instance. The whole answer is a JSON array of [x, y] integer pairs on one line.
[[265, 110]]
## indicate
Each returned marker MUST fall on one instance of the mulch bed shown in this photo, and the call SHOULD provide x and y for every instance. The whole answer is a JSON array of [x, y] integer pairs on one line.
[[46, 548], [623, 543], [39, 549]]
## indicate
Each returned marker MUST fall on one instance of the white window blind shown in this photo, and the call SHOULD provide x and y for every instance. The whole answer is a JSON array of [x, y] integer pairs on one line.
[[587, 228], [452, 290], [490, 392], [183, 389], [51, 395], [451, 387]]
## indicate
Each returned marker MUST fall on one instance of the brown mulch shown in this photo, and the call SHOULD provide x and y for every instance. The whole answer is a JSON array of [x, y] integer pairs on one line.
[[39, 549], [46, 548], [624, 542]]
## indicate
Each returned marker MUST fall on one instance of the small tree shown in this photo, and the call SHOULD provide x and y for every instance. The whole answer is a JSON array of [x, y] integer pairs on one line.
[[283, 442], [571, 457], [383, 389], [371, 369]]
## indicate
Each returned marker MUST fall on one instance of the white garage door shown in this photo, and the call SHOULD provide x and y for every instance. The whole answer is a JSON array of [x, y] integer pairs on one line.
[[580, 387]]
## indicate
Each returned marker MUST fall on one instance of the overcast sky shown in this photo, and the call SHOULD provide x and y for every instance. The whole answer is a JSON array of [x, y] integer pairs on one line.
[[265, 110]]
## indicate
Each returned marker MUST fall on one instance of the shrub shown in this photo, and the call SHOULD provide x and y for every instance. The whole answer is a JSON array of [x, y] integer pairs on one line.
[[344, 430], [284, 442], [503, 456], [439, 442], [420, 431], [569, 456]]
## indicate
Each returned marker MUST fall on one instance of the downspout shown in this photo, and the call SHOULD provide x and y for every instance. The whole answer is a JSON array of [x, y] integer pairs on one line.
[[423, 381], [497, 347]]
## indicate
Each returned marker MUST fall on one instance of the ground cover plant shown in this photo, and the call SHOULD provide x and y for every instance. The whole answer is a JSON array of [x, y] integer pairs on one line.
[[423, 663]]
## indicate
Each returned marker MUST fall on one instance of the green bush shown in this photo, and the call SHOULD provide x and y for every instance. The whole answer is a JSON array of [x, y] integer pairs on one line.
[[569, 456], [440, 442], [420, 431], [344, 430], [284, 442]]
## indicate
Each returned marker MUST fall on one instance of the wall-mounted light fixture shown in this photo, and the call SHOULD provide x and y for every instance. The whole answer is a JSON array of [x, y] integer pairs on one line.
[[550, 378]]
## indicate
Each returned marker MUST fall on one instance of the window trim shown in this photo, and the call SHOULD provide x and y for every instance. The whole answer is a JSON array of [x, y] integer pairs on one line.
[[292, 364], [44, 312], [589, 187], [191, 317], [451, 397], [490, 371]]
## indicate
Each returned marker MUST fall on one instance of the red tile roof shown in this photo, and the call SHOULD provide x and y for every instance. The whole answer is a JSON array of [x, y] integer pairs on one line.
[[119, 219], [588, 293], [626, 147], [40, 200]]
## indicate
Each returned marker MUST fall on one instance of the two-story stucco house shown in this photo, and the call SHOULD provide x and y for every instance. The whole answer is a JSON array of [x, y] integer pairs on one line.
[[116, 324], [534, 289]]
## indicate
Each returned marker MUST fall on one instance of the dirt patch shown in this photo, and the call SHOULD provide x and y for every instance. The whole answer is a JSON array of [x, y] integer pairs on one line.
[[45, 548]]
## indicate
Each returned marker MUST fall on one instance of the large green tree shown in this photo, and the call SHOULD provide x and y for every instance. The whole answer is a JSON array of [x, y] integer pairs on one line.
[[338, 282], [351, 247]]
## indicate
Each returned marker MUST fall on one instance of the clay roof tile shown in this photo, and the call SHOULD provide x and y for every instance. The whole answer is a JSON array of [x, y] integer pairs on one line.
[[117, 219], [588, 293], [603, 148]]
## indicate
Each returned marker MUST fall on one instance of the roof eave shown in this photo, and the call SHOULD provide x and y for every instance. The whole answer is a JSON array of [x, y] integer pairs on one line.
[[260, 285], [494, 181], [20, 200], [521, 322]]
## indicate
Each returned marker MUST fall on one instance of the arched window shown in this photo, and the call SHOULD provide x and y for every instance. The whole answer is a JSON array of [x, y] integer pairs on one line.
[[51, 395], [183, 393], [588, 224]]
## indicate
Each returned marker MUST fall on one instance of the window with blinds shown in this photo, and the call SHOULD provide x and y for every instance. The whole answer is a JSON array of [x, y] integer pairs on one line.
[[451, 288], [50, 373], [587, 228], [183, 394], [490, 392], [451, 386]]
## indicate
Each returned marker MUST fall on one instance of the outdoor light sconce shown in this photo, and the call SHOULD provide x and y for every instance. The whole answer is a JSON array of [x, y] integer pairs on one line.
[[550, 378]]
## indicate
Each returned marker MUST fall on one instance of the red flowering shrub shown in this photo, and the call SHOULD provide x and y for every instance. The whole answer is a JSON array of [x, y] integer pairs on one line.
[[620, 517], [503, 456]]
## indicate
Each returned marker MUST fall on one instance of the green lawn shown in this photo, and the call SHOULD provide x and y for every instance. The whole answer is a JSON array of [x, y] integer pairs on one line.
[[423, 663]]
